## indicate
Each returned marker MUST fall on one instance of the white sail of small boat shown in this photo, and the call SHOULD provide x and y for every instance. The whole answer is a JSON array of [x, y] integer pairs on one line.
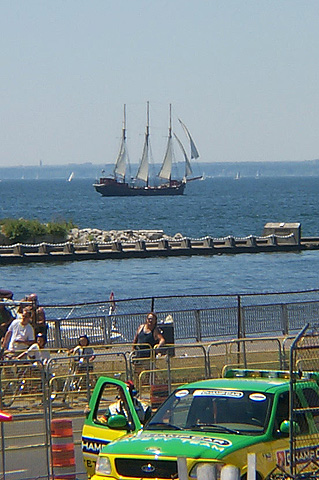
[[122, 158], [71, 177], [142, 173]]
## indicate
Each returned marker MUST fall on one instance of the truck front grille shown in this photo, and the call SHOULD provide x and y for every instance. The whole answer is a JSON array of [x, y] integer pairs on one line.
[[140, 468]]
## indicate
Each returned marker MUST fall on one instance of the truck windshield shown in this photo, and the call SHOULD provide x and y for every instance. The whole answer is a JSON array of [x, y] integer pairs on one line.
[[218, 410]]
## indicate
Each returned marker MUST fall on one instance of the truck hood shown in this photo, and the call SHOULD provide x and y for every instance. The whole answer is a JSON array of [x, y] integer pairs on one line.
[[188, 443]]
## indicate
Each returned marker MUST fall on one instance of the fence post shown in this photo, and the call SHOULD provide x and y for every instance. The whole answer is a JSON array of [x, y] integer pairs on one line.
[[284, 319], [239, 318], [198, 326], [57, 334]]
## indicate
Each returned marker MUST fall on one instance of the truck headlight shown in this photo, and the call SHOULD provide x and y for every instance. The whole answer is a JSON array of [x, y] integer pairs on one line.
[[103, 465], [212, 470]]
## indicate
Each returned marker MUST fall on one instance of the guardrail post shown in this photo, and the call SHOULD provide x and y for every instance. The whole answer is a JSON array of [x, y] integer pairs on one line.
[[163, 244], [230, 242], [251, 466], [208, 242], [230, 472], [272, 240], [182, 468], [251, 240], [117, 246], [93, 247], [18, 249], [44, 249], [207, 472], [186, 243], [140, 245], [68, 248]]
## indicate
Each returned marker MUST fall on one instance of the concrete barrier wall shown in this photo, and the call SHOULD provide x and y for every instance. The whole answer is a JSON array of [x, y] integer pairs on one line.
[[22, 253]]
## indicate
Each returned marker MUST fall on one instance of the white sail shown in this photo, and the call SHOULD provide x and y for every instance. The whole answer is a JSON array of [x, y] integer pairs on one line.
[[188, 168], [142, 173], [122, 158], [166, 168], [194, 151], [120, 165]]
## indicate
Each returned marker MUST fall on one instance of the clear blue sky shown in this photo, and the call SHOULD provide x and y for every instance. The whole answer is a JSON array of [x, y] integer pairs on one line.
[[242, 75]]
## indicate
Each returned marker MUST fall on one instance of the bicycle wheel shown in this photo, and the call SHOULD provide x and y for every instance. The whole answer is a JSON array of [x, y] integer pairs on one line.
[[55, 389], [9, 390]]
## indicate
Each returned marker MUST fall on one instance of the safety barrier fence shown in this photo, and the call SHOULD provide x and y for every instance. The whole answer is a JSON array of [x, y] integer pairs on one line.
[[36, 394]]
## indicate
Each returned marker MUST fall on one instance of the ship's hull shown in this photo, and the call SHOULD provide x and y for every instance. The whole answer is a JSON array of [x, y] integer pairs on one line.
[[109, 187]]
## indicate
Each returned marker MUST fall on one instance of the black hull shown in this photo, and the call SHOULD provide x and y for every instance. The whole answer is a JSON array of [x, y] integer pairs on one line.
[[117, 189]]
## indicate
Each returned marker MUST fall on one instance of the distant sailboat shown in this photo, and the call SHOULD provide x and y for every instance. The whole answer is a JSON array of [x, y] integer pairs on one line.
[[71, 177], [237, 176], [116, 185]]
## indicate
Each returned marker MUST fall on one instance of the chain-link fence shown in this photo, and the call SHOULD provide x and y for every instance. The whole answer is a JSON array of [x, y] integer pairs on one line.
[[200, 318]]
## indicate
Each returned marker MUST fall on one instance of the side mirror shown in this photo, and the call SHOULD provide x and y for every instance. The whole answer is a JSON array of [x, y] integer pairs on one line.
[[117, 422], [285, 427]]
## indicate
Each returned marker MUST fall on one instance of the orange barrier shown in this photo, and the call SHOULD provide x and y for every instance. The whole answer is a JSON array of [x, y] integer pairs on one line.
[[63, 453], [5, 417], [159, 393]]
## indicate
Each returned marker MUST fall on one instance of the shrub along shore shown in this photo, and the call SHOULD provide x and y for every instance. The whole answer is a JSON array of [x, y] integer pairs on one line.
[[14, 231]]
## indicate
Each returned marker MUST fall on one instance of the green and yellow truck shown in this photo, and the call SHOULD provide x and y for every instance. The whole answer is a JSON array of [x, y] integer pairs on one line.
[[213, 422]]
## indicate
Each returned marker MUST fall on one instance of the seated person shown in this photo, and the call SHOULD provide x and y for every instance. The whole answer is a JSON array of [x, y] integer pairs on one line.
[[83, 353], [37, 350], [120, 407]]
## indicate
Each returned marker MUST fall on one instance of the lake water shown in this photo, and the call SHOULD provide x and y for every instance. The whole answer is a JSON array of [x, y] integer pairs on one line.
[[217, 206]]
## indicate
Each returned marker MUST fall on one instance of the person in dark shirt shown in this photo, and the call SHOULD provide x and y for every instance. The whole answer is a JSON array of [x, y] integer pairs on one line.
[[147, 336]]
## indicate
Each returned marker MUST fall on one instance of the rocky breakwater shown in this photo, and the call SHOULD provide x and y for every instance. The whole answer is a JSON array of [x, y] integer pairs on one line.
[[86, 235]]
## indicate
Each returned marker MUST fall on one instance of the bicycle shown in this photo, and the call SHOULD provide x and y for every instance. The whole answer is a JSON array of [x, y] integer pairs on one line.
[[75, 382], [17, 378]]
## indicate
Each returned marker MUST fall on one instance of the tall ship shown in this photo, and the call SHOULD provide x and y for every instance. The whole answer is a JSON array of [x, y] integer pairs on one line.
[[118, 185]]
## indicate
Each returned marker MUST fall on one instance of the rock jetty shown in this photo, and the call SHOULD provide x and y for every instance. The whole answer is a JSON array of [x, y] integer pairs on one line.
[[85, 235]]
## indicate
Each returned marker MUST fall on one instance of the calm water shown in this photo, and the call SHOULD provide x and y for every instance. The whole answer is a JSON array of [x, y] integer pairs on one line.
[[217, 207]]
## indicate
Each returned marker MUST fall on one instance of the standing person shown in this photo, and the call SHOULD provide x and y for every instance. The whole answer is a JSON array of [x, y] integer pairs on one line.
[[147, 336], [40, 325], [20, 334], [6, 316]]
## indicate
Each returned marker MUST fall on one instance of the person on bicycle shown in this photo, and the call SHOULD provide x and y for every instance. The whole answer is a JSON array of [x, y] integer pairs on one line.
[[37, 350], [20, 334], [83, 353]]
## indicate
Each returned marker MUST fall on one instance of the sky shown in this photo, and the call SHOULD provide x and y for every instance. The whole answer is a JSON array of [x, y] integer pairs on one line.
[[243, 76]]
